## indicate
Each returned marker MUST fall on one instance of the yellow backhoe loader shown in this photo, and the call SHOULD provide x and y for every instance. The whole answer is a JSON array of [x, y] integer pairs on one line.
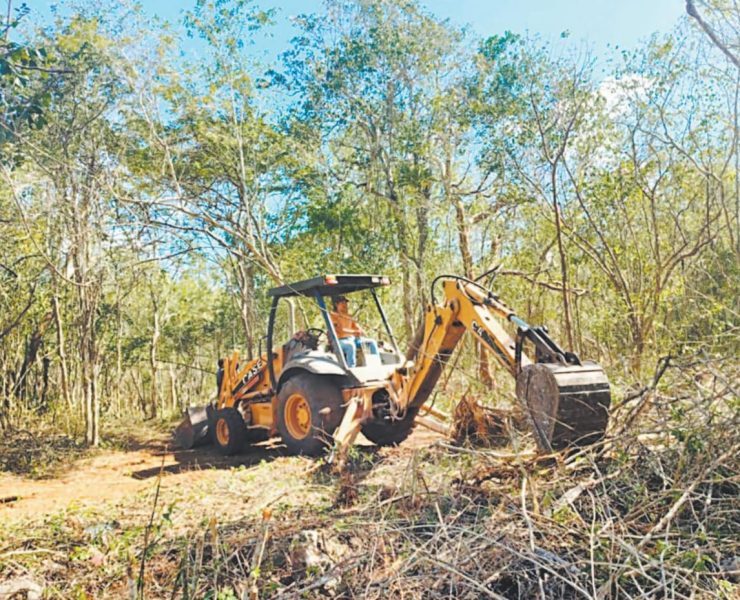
[[305, 391]]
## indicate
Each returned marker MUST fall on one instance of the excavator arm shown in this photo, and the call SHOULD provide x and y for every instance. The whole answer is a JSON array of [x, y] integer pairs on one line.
[[466, 307], [566, 401]]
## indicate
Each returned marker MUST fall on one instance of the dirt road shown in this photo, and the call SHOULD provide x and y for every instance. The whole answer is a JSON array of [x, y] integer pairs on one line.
[[121, 476]]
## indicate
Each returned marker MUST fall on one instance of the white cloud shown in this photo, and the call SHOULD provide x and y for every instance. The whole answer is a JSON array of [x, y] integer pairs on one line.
[[618, 93]]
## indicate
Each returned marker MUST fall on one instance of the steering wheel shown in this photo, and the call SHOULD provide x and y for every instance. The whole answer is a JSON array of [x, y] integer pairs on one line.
[[315, 333]]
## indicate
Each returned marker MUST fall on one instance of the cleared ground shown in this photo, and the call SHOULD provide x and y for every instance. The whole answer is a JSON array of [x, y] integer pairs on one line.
[[262, 475], [653, 511]]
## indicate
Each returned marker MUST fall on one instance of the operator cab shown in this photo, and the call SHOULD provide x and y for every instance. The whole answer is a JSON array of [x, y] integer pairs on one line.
[[315, 347]]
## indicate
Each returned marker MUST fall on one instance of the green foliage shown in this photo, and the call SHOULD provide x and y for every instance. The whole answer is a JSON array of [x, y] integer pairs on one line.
[[26, 79], [154, 198]]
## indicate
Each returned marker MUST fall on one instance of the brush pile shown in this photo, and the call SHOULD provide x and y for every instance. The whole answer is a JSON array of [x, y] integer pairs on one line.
[[653, 511]]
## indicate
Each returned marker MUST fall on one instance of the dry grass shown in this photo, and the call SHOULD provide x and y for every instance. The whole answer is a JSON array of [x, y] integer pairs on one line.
[[38, 454], [652, 512]]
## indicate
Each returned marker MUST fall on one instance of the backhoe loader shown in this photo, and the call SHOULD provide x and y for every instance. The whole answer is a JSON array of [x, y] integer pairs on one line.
[[305, 391]]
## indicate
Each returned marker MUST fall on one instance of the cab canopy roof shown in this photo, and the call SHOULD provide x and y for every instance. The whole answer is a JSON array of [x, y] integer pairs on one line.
[[330, 285]]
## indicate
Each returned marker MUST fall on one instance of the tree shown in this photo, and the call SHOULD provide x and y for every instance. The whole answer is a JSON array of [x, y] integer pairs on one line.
[[364, 78], [226, 167], [75, 160], [730, 18]]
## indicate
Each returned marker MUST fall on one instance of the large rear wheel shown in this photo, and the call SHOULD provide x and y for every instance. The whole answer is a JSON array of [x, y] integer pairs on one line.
[[309, 409]]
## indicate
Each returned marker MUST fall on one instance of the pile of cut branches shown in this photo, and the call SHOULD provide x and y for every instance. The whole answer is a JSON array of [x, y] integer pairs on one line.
[[652, 511]]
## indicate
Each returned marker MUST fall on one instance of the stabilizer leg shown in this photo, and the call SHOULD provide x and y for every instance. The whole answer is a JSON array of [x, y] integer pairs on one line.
[[346, 433]]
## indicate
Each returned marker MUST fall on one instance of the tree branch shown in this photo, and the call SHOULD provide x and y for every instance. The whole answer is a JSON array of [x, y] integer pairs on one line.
[[691, 10]]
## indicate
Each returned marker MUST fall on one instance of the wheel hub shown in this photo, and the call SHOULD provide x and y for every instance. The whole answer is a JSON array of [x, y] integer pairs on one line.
[[298, 416], [222, 432]]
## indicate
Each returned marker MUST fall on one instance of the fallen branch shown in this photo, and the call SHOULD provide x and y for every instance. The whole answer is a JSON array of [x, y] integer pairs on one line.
[[668, 517], [433, 425]]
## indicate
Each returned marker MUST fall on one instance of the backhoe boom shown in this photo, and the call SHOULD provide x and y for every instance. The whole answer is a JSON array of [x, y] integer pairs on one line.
[[566, 401]]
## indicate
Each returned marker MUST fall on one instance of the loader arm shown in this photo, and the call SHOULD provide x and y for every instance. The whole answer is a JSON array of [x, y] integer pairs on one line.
[[246, 381]]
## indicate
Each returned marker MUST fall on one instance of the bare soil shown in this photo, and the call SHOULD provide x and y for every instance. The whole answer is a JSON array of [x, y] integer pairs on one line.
[[116, 476]]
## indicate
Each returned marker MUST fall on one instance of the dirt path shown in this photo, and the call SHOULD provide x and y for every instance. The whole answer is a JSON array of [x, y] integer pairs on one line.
[[118, 476], [112, 476]]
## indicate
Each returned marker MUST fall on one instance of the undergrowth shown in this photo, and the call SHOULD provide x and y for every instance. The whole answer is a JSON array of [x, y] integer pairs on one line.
[[43, 452], [653, 511]]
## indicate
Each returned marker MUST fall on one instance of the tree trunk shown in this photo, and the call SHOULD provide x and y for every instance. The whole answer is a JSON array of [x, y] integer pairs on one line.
[[422, 227], [563, 260], [88, 294], [88, 357], [408, 310], [43, 404], [95, 397], [61, 353], [245, 279], [154, 397], [5, 397], [138, 386], [119, 351], [463, 236], [173, 390], [29, 358]]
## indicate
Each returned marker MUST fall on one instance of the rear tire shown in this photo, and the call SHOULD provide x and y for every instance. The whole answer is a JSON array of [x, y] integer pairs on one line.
[[229, 433], [390, 433], [309, 409]]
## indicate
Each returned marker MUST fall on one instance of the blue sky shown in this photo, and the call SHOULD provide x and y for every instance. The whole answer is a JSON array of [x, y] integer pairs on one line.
[[600, 23]]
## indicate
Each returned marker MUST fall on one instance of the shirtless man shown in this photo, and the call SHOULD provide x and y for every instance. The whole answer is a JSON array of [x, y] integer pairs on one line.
[[349, 332]]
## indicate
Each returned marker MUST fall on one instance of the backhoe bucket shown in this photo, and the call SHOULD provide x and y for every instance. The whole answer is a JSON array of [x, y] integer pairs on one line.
[[566, 405], [193, 429]]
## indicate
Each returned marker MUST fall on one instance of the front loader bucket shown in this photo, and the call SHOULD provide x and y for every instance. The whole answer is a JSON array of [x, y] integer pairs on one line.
[[193, 429], [566, 405]]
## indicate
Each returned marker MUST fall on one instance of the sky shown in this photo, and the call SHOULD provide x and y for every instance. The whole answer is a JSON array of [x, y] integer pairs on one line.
[[602, 24]]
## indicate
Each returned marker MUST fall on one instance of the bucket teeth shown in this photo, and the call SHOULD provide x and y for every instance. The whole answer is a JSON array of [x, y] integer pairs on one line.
[[566, 405]]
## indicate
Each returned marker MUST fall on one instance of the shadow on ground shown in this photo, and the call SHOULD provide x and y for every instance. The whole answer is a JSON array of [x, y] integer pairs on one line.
[[207, 457]]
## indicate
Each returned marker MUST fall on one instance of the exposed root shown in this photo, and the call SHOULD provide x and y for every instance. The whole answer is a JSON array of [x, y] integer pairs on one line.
[[482, 426]]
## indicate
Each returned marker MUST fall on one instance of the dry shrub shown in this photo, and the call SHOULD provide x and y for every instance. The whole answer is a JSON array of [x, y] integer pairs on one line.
[[38, 454], [653, 511]]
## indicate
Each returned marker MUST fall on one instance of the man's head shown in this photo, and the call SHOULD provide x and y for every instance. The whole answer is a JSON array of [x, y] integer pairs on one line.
[[341, 304]]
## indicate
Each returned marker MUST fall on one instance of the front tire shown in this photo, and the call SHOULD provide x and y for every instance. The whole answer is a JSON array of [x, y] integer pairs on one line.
[[309, 409], [230, 433]]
